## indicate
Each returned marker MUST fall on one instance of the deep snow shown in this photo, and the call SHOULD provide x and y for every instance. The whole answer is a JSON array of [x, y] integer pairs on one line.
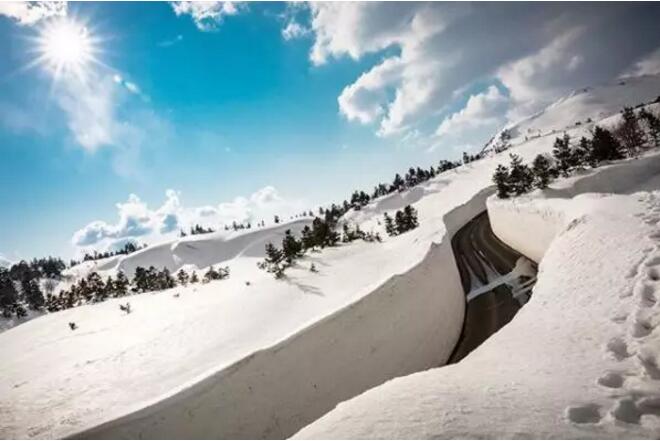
[[231, 360], [580, 360]]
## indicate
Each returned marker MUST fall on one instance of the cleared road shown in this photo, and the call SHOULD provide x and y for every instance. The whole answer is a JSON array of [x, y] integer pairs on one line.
[[481, 257]]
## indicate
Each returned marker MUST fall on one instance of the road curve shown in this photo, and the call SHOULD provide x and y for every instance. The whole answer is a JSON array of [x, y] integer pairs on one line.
[[481, 256]]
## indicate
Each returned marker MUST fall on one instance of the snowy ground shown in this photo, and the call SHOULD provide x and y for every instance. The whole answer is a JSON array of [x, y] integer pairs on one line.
[[580, 360], [231, 360]]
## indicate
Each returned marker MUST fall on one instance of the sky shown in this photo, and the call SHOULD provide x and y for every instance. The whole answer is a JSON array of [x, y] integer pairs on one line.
[[130, 121]]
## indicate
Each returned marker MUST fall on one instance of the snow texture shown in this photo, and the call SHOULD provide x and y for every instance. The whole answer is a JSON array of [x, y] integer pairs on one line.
[[232, 360]]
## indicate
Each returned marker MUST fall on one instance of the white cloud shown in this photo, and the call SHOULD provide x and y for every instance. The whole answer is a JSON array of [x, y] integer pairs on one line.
[[32, 12], [649, 65], [539, 51], [294, 30], [207, 15], [484, 109], [136, 221]]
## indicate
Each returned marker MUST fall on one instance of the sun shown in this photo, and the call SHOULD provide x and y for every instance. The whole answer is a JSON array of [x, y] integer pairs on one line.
[[66, 47]]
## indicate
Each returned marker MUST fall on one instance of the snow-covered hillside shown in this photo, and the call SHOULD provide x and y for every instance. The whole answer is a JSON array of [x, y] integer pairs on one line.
[[232, 360], [584, 107], [580, 360]]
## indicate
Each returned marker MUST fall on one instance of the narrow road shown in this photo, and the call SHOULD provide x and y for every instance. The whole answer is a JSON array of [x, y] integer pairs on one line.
[[481, 257]]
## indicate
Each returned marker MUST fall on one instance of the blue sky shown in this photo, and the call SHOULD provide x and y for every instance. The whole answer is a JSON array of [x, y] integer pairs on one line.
[[244, 110]]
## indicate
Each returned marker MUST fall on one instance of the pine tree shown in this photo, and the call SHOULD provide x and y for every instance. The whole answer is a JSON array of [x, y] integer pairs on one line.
[[631, 134], [32, 294], [95, 287], [273, 255], [541, 170], [582, 153], [140, 280], [398, 184], [193, 278], [121, 284], [307, 238], [291, 247], [604, 146], [390, 228], [276, 219], [410, 217], [165, 280], [210, 275], [8, 293], [653, 125], [400, 222], [562, 154], [182, 277], [501, 180], [520, 176]]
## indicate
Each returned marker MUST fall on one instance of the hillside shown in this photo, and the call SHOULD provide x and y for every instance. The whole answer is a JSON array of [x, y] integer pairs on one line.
[[267, 358]]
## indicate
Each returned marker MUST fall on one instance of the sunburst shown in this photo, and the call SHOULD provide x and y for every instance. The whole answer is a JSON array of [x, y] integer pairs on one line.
[[67, 48]]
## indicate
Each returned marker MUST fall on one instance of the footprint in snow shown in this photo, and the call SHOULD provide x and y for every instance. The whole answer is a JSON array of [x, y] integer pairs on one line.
[[583, 414]]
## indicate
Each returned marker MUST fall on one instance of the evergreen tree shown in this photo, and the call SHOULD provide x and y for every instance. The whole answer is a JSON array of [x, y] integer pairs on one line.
[[32, 294], [562, 154], [140, 280], [276, 219], [400, 222], [193, 278], [541, 170], [273, 255], [653, 125], [631, 134], [95, 287], [8, 293], [582, 153], [604, 146], [182, 277], [520, 176], [308, 241], [121, 284], [291, 247], [165, 280], [398, 184], [390, 228], [501, 180], [410, 217], [210, 275]]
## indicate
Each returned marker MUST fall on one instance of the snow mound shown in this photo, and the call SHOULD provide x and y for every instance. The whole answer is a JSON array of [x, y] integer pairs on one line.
[[580, 360]]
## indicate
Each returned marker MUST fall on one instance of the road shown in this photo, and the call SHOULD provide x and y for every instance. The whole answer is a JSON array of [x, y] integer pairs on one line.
[[481, 257]]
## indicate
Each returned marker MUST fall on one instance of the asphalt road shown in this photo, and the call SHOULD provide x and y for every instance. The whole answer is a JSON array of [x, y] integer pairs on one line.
[[475, 247]]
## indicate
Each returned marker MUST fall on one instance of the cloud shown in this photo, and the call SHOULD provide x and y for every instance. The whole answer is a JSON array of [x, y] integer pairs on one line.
[[294, 30], [137, 222], [430, 52], [31, 13], [207, 15], [649, 65], [484, 109]]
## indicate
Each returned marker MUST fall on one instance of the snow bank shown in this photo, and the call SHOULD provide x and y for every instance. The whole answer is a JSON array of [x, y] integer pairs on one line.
[[580, 360], [530, 223], [410, 323]]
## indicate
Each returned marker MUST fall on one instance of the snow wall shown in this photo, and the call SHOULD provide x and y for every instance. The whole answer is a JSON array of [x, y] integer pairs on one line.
[[529, 224], [410, 323]]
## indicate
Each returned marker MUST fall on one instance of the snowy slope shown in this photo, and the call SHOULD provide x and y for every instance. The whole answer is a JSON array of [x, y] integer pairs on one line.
[[591, 103], [231, 360], [580, 360]]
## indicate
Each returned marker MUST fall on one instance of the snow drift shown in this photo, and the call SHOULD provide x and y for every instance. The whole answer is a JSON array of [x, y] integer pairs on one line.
[[580, 360]]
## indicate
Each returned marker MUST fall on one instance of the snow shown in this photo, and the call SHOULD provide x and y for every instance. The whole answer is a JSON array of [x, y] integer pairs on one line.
[[231, 360], [580, 360]]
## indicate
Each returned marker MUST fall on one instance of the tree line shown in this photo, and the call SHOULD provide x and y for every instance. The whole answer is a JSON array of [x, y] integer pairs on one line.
[[635, 133], [20, 287], [128, 248]]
